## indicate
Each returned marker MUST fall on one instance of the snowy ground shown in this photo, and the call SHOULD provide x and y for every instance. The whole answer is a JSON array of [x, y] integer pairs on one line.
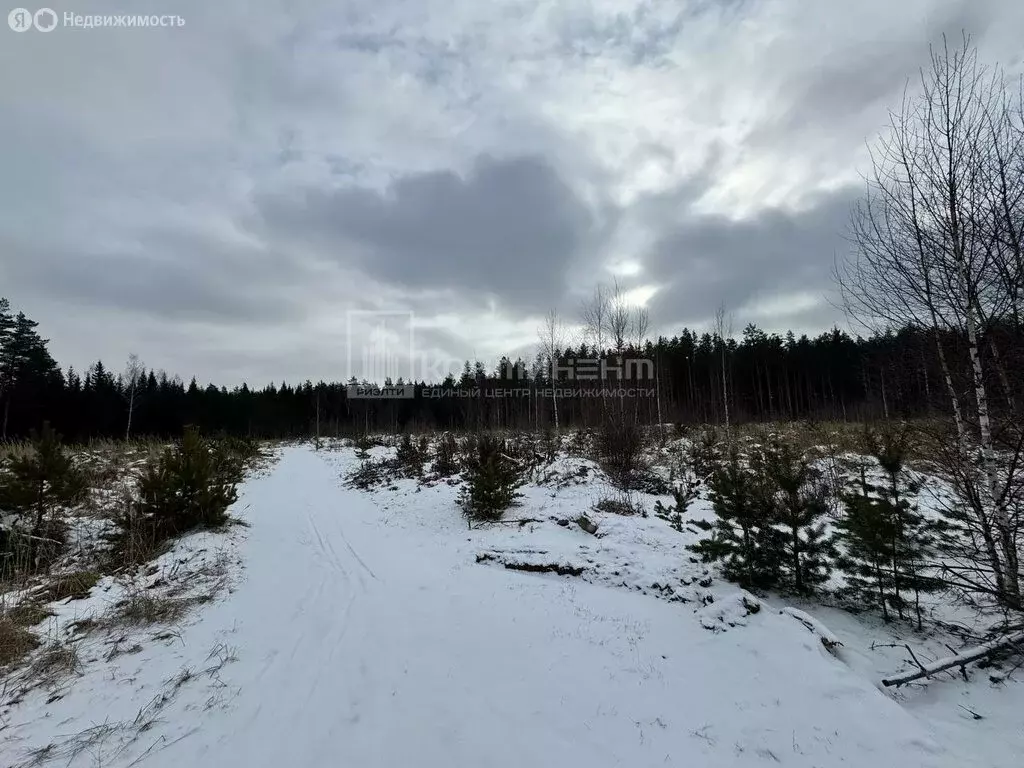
[[362, 631]]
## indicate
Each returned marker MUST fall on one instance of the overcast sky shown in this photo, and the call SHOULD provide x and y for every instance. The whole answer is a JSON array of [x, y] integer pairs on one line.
[[219, 197]]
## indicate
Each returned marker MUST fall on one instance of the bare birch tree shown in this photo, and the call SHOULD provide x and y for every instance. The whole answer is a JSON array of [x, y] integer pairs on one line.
[[552, 342], [927, 252], [642, 326], [723, 330], [620, 319], [595, 313], [133, 373]]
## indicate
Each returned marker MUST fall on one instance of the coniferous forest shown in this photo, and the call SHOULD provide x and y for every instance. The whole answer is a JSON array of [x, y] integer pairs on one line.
[[767, 377]]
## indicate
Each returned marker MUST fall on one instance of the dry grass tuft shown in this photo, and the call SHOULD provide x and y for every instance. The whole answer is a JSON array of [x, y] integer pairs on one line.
[[28, 614], [54, 663], [15, 642], [66, 750], [75, 586], [618, 506], [818, 437], [141, 608], [15, 449]]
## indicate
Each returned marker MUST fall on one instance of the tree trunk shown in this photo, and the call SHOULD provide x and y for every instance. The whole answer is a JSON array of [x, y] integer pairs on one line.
[[947, 376], [725, 390], [1004, 380], [1000, 515], [657, 394], [131, 410]]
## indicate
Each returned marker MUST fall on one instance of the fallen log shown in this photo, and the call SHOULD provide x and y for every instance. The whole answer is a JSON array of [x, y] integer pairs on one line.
[[828, 639], [519, 521], [959, 660], [562, 569]]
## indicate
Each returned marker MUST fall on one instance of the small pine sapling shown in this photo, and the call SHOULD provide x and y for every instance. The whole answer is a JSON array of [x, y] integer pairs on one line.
[[410, 456], [362, 445], [705, 454], [492, 480], [37, 484], [799, 503], [887, 540], [549, 444], [865, 533], [915, 538], [742, 537], [446, 456], [684, 493], [186, 487]]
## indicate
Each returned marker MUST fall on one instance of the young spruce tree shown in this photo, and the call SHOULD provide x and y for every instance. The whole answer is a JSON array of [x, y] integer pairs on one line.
[[684, 492], [492, 480], [886, 538], [186, 488], [36, 484], [799, 507], [743, 537], [446, 456], [410, 456]]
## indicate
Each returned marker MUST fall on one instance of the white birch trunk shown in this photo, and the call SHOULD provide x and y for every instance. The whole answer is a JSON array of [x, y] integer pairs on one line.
[[131, 410], [1000, 514], [554, 395]]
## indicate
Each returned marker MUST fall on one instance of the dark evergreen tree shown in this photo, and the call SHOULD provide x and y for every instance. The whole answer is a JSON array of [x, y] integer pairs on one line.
[[743, 536], [362, 444], [412, 455], [887, 539], [26, 370], [422, 453], [186, 488], [6, 329], [915, 536], [684, 493], [406, 454], [36, 484], [865, 533], [705, 453], [799, 505], [492, 480], [6, 362], [446, 456]]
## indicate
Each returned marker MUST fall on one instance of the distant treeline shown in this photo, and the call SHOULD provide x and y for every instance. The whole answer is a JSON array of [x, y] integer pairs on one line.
[[769, 377]]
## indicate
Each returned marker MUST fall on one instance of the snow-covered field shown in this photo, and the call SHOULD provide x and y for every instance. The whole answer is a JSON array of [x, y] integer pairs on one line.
[[362, 629]]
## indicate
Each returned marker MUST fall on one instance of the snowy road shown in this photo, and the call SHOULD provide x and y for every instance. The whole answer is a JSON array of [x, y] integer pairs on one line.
[[376, 645], [364, 642]]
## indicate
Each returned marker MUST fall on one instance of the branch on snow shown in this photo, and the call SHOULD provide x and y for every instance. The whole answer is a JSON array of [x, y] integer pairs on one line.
[[959, 660]]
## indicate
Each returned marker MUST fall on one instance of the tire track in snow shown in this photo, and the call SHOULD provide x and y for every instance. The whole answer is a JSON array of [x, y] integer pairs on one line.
[[348, 544]]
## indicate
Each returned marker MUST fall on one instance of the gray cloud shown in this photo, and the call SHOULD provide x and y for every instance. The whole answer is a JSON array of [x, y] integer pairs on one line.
[[707, 260], [509, 229], [848, 94], [278, 163], [215, 284]]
